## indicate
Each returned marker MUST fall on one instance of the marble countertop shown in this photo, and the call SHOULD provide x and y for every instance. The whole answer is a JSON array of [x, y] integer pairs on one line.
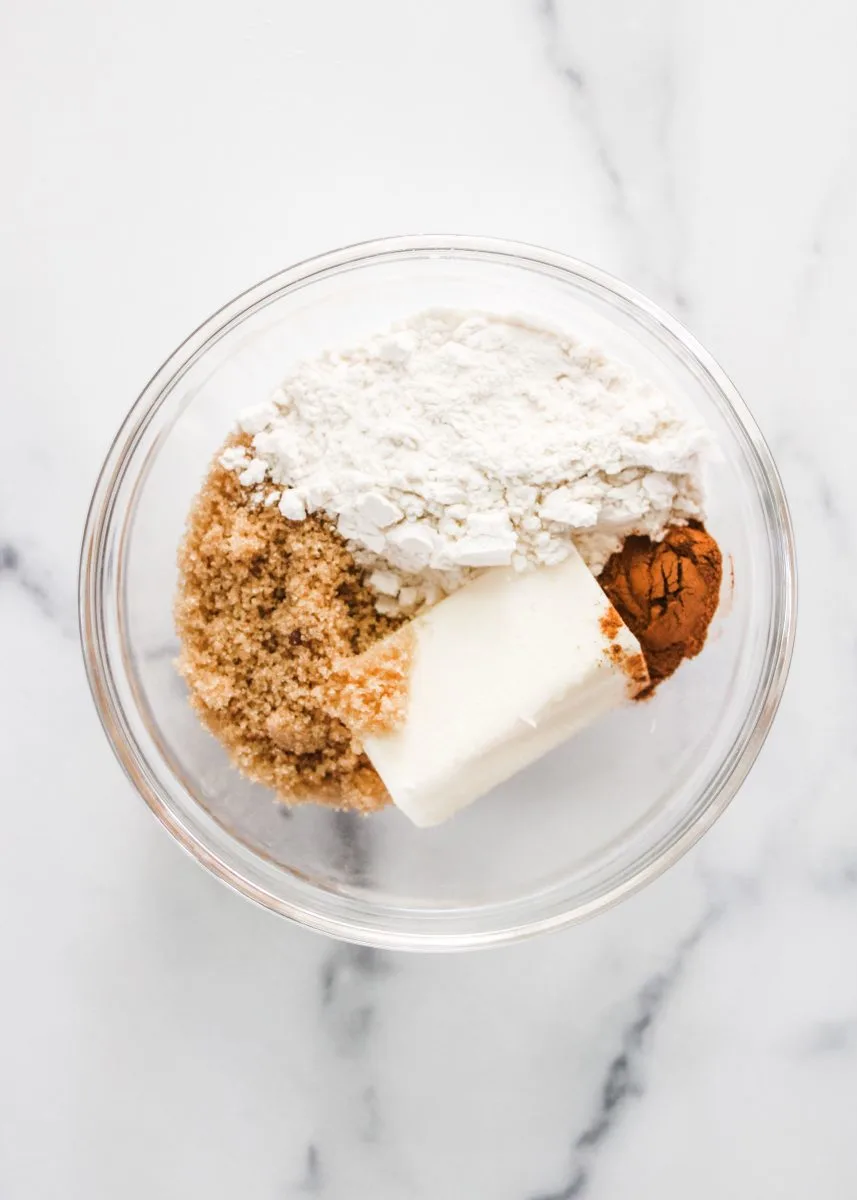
[[159, 1036]]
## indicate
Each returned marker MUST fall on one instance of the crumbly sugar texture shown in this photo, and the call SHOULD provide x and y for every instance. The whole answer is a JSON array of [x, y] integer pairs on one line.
[[458, 441], [268, 611], [369, 692]]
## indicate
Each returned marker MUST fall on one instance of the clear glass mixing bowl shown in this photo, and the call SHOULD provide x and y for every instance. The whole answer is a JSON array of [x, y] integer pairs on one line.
[[574, 833]]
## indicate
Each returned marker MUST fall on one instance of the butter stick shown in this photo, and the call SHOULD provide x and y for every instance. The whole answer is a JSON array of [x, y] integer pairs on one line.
[[500, 672]]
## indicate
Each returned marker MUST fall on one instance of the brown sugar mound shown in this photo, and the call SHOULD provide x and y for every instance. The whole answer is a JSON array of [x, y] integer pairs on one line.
[[369, 693], [268, 612], [666, 593]]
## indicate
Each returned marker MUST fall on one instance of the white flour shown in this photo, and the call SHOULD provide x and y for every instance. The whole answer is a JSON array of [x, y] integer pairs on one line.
[[461, 440]]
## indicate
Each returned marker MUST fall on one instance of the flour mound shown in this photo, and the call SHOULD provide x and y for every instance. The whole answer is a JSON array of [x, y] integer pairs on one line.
[[458, 441]]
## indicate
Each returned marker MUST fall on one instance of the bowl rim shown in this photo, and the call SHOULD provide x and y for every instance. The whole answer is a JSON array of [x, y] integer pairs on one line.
[[348, 926]]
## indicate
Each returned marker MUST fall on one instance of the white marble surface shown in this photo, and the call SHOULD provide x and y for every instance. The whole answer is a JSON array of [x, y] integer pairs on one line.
[[158, 1035]]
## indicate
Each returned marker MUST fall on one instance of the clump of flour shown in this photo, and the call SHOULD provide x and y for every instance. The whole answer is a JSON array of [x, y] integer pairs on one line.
[[458, 441]]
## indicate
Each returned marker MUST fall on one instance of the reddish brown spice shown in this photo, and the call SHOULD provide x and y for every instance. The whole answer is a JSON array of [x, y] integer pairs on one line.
[[666, 593]]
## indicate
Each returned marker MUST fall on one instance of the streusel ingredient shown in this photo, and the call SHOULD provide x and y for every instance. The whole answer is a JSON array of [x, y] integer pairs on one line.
[[666, 592], [458, 441], [266, 611]]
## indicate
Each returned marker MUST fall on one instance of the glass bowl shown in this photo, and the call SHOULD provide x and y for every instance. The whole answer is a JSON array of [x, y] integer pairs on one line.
[[585, 826]]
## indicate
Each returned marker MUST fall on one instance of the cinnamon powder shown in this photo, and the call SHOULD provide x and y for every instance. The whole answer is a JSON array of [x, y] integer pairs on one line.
[[666, 593]]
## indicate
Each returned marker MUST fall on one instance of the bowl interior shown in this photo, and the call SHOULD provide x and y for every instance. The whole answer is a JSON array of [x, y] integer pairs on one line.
[[582, 823]]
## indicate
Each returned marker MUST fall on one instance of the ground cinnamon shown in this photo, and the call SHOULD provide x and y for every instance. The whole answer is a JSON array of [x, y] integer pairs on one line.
[[666, 593]]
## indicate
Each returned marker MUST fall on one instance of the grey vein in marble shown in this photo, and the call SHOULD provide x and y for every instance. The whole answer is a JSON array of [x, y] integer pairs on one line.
[[369, 1127], [167, 650], [353, 848], [15, 569], [349, 979], [833, 216], [622, 1078], [574, 76], [347, 994], [642, 188], [830, 1037], [312, 1183], [793, 453]]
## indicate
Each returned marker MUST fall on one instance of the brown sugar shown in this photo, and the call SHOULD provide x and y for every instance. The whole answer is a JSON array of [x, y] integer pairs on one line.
[[369, 693], [269, 612], [666, 593]]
